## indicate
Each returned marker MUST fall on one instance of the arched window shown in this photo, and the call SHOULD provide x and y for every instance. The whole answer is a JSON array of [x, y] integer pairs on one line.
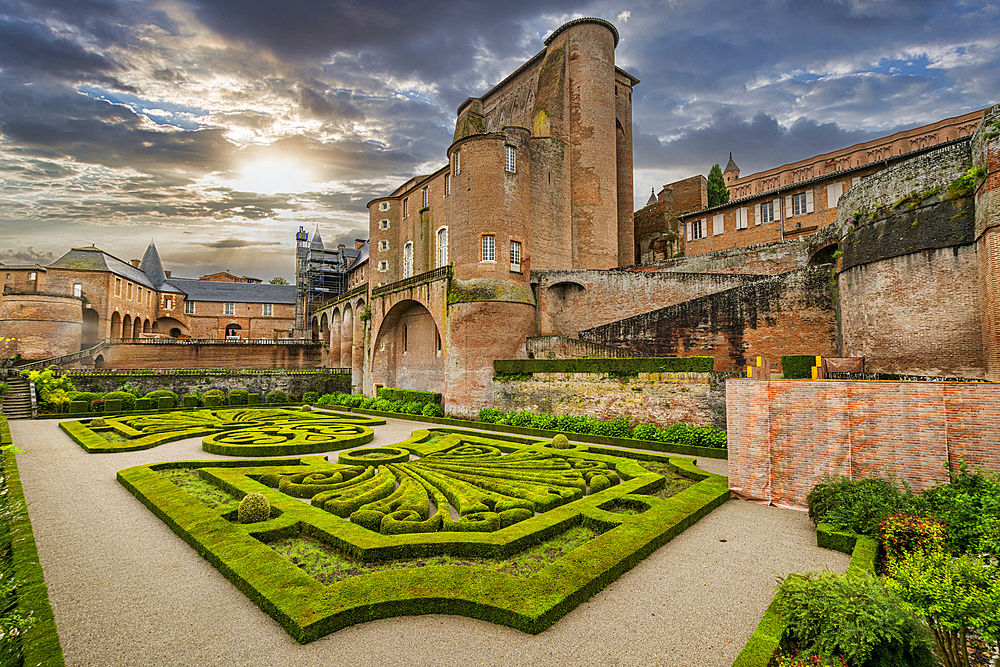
[[408, 259], [442, 247]]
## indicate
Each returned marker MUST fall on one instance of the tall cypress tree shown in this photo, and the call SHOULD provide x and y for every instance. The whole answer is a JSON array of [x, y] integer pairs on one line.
[[717, 191]]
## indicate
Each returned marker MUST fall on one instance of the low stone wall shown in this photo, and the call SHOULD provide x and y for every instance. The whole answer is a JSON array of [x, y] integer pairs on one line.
[[784, 435], [651, 398], [290, 383], [218, 354]]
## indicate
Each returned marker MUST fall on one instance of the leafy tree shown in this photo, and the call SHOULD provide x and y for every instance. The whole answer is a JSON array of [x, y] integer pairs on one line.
[[52, 390], [717, 191], [278, 280]]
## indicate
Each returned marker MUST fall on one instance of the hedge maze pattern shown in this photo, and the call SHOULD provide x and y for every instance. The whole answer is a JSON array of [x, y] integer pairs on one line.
[[231, 432], [440, 493]]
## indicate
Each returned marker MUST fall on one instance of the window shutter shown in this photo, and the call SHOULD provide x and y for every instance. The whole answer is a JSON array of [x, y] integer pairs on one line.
[[809, 201], [718, 224], [704, 227], [756, 214], [777, 209], [689, 226], [788, 206], [833, 192], [744, 216]]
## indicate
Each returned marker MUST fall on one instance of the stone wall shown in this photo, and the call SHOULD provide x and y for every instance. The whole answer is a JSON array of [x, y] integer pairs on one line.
[[787, 314], [677, 397], [561, 347], [296, 384], [764, 259], [786, 435]]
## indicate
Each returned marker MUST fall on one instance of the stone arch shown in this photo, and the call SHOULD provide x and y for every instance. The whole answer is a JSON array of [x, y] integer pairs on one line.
[[147, 326], [314, 329], [136, 328], [823, 254], [335, 322], [558, 303], [347, 337], [116, 326], [233, 329], [127, 326], [170, 326], [99, 361], [405, 351]]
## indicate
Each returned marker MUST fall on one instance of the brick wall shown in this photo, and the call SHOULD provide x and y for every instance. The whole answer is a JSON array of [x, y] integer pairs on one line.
[[194, 355], [785, 435], [788, 314], [658, 231], [685, 397], [986, 154], [764, 259]]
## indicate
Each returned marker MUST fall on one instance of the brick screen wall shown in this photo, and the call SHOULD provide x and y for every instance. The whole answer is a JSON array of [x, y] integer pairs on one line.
[[187, 355], [786, 435]]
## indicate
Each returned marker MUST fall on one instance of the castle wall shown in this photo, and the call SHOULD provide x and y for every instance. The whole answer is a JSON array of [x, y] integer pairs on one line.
[[788, 314], [43, 325], [198, 355], [986, 155], [785, 435], [909, 231], [761, 260], [572, 301]]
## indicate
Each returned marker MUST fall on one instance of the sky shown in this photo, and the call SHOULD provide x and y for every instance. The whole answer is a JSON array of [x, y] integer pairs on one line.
[[218, 127]]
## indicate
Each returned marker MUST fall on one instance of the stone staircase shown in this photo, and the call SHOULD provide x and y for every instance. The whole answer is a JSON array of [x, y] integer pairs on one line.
[[17, 402]]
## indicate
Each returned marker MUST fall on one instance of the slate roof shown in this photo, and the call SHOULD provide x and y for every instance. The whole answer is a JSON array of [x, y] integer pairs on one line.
[[731, 166], [207, 290], [151, 265], [95, 259], [361, 258]]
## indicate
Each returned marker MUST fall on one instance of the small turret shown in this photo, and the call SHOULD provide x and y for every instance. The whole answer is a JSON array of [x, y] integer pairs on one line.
[[732, 172], [652, 196]]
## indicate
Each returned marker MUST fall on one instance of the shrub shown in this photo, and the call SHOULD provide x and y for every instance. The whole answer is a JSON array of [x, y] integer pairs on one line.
[[112, 405], [127, 399], [97, 405], [212, 400], [52, 390], [858, 506], [431, 410], [254, 508], [797, 366], [275, 397], [408, 395], [192, 401], [97, 422], [413, 407], [489, 415], [830, 614], [87, 396], [214, 394], [253, 398], [306, 408], [294, 398], [521, 419], [165, 403], [143, 404], [904, 534], [310, 397], [78, 407], [547, 422], [645, 432], [969, 504], [162, 393], [238, 397], [561, 442]]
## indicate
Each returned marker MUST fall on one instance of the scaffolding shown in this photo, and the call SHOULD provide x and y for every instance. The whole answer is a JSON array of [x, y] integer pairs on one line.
[[320, 277]]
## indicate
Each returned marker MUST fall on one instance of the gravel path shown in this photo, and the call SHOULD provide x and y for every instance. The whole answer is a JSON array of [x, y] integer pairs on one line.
[[127, 591]]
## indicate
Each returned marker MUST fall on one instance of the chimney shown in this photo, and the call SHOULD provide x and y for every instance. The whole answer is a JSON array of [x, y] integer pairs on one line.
[[340, 247], [358, 243], [135, 262], [167, 273]]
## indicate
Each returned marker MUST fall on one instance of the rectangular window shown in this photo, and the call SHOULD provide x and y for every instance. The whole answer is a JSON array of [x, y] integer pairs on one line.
[[383, 245], [510, 157], [168, 303], [268, 310], [230, 308], [77, 289], [406, 208], [189, 307], [833, 193], [129, 292], [383, 206], [489, 249], [515, 256], [766, 212], [408, 259], [742, 218], [458, 162], [32, 276], [799, 204], [447, 185], [698, 229], [426, 194], [383, 266], [383, 224], [118, 286], [442, 247], [718, 224]]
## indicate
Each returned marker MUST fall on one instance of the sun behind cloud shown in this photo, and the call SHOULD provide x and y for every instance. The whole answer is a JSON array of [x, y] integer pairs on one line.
[[271, 176]]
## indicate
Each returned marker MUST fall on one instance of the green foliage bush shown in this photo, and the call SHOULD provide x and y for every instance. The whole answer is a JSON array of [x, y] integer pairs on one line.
[[112, 404], [165, 403], [276, 397], [97, 405], [310, 397], [253, 398], [858, 506], [626, 366], [903, 534], [156, 395], [52, 390], [969, 504], [78, 407], [561, 442], [238, 397], [408, 395], [192, 401], [412, 407], [830, 614], [143, 404], [127, 399], [254, 508], [212, 401], [431, 410], [797, 366], [87, 396], [97, 422]]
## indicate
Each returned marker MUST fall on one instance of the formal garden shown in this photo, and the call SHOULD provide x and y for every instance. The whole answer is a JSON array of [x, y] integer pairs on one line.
[[516, 526]]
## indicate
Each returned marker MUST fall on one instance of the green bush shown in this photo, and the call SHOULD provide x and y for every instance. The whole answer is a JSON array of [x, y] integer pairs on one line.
[[276, 397], [970, 506], [561, 442], [413, 407], [626, 366], [254, 508], [489, 415], [143, 404], [408, 395], [127, 399], [645, 432], [192, 401], [797, 366], [165, 403], [253, 398], [310, 397], [112, 404], [97, 405], [212, 401], [97, 422], [162, 393], [87, 396], [214, 394], [858, 505], [78, 407], [830, 614], [238, 397], [431, 410]]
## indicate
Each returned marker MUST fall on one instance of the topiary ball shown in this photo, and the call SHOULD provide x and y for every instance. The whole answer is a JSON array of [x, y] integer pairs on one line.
[[306, 408], [98, 421], [561, 442], [254, 508]]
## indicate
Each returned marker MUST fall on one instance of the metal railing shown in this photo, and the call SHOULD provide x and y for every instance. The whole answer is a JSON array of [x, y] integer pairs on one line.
[[440, 273], [64, 359], [210, 341]]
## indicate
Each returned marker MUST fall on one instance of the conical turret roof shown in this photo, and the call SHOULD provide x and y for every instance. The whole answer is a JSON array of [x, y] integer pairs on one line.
[[152, 267], [731, 166], [652, 196]]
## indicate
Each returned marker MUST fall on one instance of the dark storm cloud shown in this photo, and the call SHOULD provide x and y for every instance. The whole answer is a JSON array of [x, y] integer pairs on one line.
[[28, 256]]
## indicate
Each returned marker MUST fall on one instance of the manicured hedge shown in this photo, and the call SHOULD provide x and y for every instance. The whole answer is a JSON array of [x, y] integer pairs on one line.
[[39, 645], [627, 366], [409, 395], [797, 366], [308, 609]]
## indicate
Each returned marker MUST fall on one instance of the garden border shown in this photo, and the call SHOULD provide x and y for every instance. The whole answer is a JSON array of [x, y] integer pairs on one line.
[[764, 641], [306, 609], [40, 643], [649, 445]]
